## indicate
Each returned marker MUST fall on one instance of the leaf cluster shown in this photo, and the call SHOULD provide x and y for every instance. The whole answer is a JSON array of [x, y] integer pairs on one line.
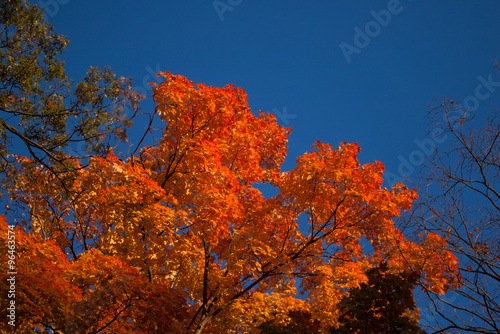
[[44, 112]]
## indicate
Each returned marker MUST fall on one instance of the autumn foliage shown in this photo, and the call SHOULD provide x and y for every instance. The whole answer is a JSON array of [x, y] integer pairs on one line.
[[178, 238]]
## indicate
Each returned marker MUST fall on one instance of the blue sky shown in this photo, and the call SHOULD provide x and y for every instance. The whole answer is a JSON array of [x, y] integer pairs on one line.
[[287, 55]]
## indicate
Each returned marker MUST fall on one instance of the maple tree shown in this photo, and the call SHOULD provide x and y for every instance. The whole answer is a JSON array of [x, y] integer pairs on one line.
[[178, 238]]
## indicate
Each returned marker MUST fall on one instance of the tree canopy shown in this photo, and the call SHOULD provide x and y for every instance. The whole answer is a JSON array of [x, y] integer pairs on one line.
[[179, 239]]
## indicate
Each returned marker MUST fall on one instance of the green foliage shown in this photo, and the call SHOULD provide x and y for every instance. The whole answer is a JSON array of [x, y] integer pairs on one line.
[[385, 304], [44, 109]]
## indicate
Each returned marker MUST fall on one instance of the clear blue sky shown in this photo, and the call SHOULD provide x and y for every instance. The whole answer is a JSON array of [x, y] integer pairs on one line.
[[287, 55]]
